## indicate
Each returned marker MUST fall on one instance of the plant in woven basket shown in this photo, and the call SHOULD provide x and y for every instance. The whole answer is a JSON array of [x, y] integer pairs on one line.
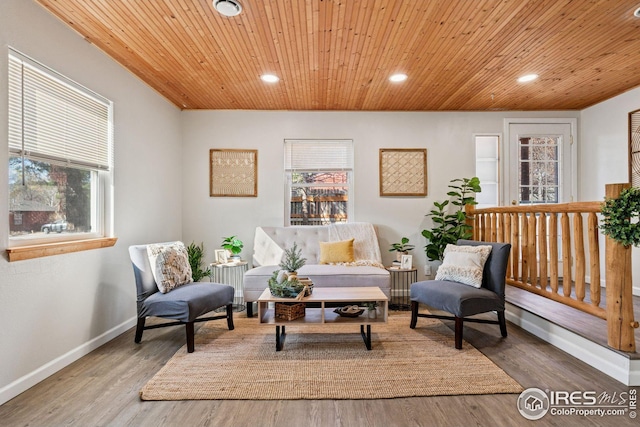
[[293, 259], [621, 217]]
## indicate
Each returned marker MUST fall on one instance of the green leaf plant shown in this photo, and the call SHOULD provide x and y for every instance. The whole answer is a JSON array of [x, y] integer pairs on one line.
[[449, 217], [195, 254]]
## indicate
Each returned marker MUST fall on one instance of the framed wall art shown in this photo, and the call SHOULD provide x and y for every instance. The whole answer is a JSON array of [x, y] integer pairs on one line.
[[403, 172], [233, 173]]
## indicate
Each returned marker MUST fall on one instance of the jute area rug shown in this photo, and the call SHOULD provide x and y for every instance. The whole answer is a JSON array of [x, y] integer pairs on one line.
[[326, 362]]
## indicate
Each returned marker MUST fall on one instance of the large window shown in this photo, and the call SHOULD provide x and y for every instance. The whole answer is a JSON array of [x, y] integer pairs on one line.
[[60, 156], [319, 175]]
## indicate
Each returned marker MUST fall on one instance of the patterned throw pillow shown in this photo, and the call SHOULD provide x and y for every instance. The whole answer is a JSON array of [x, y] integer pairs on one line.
[[464, 264], [170, 265]]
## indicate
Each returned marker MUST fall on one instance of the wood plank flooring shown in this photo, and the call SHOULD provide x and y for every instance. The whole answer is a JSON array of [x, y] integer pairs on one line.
[[583, 324], [101, 389]]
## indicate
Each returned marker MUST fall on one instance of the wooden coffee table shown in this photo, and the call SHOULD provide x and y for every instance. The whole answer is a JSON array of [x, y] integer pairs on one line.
[[325, 315]]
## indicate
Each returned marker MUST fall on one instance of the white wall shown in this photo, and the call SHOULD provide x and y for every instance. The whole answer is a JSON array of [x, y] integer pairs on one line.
[[604, 152], [55, 309], [448, 137]]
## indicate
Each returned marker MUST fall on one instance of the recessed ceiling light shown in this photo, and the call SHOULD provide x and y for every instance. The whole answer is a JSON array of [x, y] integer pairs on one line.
[[398, 78], [270, 78], [527, 78], [637, 13], [227, 7]]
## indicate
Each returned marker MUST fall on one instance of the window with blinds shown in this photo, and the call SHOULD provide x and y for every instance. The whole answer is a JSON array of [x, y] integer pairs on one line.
[[60, 155], [319, 177]]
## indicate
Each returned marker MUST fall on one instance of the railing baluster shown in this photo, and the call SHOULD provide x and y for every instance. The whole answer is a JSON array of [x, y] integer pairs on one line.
[[515, 245], [578, 238], [553, 251], [566, 254], [524, 236], [533, 252], [500, 225], [507, 238], [594, 259], [494, 227], [542, 249]]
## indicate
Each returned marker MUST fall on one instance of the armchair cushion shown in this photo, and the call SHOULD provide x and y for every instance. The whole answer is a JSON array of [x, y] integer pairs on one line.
[[188, 302], [464, 264], [169, 265], [457, 298]]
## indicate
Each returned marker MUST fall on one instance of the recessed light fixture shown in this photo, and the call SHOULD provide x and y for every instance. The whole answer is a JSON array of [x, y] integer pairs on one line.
[[637, 13], [270, 78], [527, 78], [227, 7], [398, 78]]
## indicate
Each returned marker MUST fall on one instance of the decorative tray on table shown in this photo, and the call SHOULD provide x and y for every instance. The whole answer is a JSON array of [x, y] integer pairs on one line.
[[349, 311]]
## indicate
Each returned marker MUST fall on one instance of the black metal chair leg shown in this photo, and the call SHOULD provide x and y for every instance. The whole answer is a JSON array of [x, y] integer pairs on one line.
[[249, 309], [230, 316], [458, 332], [190, 337], [503, 323], [414, 314], [139, 330]]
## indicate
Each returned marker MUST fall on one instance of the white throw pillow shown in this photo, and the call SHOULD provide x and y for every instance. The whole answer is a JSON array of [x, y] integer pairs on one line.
[[464, 264], [170, 265]]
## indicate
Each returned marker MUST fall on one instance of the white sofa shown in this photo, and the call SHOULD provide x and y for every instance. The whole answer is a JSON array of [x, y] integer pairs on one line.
[[270, 243]]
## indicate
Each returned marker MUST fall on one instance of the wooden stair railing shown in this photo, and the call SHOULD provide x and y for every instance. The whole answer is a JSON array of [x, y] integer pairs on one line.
[[552, 253]]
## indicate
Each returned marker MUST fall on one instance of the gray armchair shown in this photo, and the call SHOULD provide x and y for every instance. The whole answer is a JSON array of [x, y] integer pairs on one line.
[[462, 300], [184, 304]]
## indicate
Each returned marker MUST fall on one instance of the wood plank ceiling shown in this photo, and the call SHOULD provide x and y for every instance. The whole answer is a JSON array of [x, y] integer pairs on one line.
[[338, 54]]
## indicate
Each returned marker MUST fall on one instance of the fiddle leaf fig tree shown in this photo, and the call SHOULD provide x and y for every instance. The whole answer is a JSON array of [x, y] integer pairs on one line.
[[450, 225]]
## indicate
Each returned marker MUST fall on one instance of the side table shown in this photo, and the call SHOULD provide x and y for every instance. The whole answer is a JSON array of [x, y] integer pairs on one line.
[[401, 280], [231, 274]]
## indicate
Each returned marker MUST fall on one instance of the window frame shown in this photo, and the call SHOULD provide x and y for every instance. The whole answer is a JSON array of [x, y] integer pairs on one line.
[[348, 169], [101, 180]]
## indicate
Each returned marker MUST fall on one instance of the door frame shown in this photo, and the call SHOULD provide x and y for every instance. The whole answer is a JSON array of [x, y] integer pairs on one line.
[[506, 151]]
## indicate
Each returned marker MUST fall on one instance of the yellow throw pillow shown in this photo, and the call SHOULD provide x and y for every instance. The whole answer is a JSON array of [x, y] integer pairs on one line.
[[332, 252]]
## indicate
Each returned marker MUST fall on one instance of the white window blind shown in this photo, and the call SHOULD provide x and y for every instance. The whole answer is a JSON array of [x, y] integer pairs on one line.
[[318, 155], [54, 119]]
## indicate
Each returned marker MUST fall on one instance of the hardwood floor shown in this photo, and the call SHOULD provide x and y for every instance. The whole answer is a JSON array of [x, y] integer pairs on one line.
[[101, 389], [583, 324]]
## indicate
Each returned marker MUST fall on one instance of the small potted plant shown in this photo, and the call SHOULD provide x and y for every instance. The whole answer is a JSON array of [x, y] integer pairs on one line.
[[233, 245], [195, 254], [292, 260], [401, 248], [371, 309]]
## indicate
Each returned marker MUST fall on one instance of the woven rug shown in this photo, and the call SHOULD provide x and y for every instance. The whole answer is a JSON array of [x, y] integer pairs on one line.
[[326, 362]]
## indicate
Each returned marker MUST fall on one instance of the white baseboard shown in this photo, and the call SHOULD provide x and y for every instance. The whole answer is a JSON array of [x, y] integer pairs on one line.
[[617, 366], [13, 389]]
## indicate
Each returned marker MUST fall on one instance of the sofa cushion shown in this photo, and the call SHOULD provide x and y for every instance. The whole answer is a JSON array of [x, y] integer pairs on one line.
[[334, 252]]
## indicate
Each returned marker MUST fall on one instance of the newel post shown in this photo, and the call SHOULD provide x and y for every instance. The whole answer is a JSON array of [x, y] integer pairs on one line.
[[620, 321]]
